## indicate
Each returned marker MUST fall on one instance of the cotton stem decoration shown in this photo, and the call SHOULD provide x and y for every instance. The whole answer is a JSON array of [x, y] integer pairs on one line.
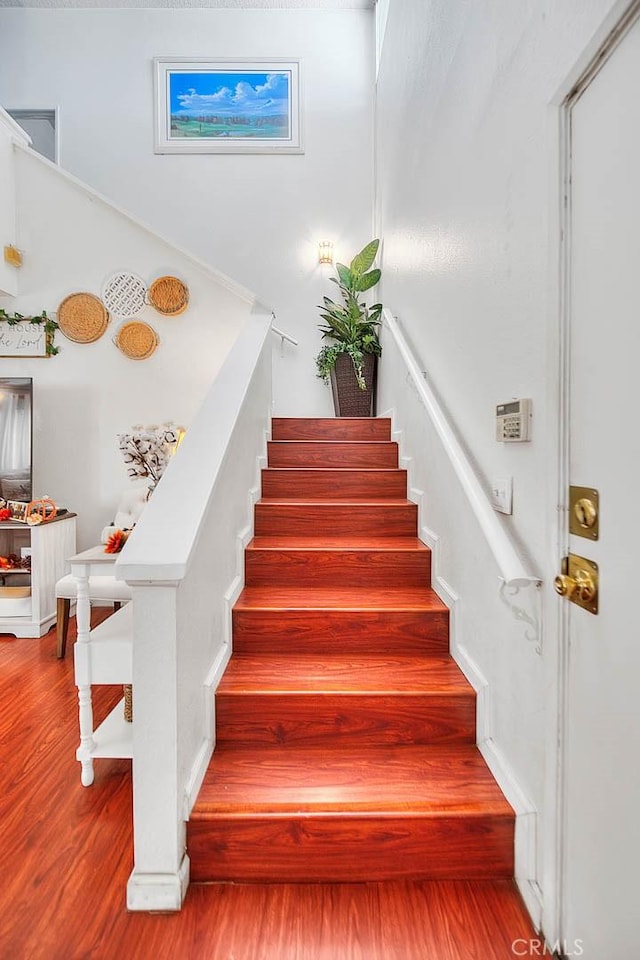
[[147, 450]]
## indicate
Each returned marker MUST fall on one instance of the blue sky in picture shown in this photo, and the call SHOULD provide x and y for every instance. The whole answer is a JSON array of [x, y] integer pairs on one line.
[[210, 93]]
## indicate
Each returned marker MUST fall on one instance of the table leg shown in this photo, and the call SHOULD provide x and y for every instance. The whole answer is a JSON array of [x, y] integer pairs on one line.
[[82, 660]]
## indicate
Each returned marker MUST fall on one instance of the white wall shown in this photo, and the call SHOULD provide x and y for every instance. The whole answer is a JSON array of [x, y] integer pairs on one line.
[[465, 159], [88, 393], [467, 178], [256, 218], [9, 134]]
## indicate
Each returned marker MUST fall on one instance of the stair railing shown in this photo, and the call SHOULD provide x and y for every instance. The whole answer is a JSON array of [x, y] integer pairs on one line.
[[280, 333], [513, 570], [184, 567]]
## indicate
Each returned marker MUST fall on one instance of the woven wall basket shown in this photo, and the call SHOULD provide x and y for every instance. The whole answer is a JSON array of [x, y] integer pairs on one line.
[[137, 340], [169, 296], [124, 294], [82, 317]]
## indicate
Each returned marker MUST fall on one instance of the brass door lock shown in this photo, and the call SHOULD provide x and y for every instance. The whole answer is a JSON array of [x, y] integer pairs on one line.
[[584, 512], [579, 582]]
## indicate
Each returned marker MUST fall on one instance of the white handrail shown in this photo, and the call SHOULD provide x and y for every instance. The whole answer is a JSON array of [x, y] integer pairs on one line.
[[282, 334], [163, 542], [512, 568]]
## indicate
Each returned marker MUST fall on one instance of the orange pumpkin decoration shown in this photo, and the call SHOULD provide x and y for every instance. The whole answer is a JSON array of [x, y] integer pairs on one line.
[[39, 511]]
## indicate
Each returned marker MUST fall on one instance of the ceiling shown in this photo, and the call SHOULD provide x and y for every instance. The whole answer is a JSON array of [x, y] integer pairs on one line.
[[235, 4]]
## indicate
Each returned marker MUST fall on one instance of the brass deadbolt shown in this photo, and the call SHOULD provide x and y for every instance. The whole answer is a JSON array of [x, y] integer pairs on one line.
[[585, 513]]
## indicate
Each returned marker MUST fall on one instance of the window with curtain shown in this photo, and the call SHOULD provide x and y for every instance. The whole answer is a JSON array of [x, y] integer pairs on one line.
[[15, 439]]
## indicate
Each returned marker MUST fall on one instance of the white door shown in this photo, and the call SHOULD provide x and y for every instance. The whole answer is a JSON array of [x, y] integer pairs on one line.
[[602, 746]]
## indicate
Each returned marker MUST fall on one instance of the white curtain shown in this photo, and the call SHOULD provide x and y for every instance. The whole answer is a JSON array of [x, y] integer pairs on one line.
[[15, 430]]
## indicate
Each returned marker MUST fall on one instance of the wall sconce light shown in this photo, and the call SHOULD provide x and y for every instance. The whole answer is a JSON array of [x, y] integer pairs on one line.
[[325, 251]]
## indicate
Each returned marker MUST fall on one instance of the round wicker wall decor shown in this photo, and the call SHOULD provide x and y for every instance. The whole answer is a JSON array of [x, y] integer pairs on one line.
[[169, 296], [136, 339], [82, 317], [124, 294]]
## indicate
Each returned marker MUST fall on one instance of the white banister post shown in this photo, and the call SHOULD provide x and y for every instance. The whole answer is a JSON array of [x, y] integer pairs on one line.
[[161, 873]]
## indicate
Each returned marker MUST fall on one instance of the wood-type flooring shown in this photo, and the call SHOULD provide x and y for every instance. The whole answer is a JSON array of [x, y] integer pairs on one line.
[[66, 853]]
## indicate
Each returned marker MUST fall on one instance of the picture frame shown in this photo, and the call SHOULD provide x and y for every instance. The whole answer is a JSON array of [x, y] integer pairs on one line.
[[227, 106], [18, 510], [22, 338]]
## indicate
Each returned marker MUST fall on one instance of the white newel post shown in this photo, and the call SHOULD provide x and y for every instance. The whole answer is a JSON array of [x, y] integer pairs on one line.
[[161, 874]]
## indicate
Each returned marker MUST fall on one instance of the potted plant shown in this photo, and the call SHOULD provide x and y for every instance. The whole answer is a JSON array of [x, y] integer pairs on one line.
[[350, 359]]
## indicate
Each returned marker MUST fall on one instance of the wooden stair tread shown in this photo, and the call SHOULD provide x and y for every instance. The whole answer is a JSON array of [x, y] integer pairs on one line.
[[328, 483], [424, 781], [396, 518], [312, 428], [331, 441], [332, 542], [340, 471], [358, 502], [273, 673], [284, 597], [332, 453]]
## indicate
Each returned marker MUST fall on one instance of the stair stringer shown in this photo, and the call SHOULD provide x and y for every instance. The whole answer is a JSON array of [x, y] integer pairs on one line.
[[526, 827], [219, 665]]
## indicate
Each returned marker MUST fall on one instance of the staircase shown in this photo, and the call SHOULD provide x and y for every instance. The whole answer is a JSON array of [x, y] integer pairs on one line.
[[345, 731]]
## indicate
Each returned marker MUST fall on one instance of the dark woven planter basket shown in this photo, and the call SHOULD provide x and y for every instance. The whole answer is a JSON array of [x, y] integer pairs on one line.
[[348, 399]]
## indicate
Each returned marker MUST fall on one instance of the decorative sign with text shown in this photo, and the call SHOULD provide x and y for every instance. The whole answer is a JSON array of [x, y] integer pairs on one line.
[[23, 339]]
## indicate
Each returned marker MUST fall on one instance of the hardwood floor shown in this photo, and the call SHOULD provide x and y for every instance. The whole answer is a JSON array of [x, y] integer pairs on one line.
[[65, 855]]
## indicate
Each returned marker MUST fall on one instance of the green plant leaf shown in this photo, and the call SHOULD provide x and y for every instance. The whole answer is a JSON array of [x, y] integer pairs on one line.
[[364, 260], [345, 275], [367, 280], [350, 325]]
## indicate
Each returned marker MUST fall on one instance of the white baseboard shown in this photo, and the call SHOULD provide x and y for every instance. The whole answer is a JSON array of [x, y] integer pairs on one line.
[[158, 891], [204, 754], [203, 757], [197, 775], [526, 828], [242, 541]]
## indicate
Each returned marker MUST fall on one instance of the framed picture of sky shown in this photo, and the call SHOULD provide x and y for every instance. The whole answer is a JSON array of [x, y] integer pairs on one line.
[[227, 106]]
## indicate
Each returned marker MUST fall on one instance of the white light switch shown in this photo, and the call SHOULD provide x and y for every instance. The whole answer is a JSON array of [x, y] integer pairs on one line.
[[502, 494]]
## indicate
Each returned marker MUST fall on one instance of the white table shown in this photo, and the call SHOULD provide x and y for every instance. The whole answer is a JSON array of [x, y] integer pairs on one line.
[[91, 562], [103, 655]]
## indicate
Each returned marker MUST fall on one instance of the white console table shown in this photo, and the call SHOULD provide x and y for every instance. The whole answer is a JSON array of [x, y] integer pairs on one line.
[[50, 544], [103, 655]]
